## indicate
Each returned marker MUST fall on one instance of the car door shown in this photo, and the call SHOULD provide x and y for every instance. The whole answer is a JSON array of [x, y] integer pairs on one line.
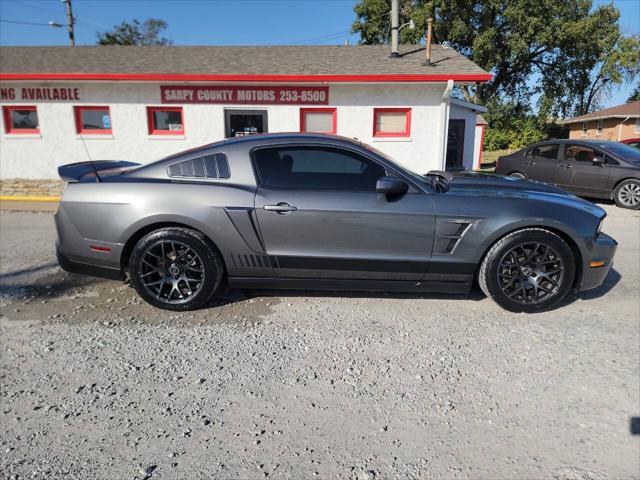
[[320, 217], [541, 163], [580, 173]]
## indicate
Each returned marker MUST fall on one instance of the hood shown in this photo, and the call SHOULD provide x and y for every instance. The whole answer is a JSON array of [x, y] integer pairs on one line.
[[488, 184]]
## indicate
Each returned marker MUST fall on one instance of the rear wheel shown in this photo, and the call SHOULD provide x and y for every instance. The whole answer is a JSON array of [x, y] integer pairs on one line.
[[176, 269], [528, 270], [627, 194]]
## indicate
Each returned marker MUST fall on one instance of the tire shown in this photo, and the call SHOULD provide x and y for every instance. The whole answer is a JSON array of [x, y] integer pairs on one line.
[[532, 285], [176, 269], [517, 175], [627, 194]]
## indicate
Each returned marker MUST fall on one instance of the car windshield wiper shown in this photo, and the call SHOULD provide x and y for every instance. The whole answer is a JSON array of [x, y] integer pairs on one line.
[[439, 180]]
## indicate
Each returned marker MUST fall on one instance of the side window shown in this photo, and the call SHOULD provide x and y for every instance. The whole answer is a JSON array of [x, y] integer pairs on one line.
[[579, 153], [316, 168], [546, 151], [209, 166]]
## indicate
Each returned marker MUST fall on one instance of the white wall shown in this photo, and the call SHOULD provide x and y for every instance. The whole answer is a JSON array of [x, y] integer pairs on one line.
[[38, 156]]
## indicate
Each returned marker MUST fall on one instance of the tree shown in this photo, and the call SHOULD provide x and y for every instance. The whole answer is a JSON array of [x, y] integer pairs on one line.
[[635, 94], [565, 53], [135, 33]]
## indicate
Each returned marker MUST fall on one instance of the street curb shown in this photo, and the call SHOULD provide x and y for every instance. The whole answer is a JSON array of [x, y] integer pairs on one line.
[[27, 198]]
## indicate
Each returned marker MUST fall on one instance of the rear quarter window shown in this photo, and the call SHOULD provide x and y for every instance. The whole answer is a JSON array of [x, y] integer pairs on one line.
[[208, 166]]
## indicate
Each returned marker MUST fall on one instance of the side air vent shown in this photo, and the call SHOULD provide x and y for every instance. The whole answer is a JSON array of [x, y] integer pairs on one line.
[[253, 261], [209, 166], [448, 235]]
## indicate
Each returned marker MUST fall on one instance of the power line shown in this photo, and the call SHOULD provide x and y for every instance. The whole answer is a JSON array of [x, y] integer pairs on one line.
[[51, 24], [336, 35], [77, 19]]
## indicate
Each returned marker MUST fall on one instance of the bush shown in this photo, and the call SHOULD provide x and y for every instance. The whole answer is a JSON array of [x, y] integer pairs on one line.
[[520, 133]]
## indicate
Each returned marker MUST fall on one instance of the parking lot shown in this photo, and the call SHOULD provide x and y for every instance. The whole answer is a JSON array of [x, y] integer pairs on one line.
[[97, 384]]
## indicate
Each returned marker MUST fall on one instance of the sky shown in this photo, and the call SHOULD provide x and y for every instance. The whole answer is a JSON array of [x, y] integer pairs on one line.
[[218, 22]]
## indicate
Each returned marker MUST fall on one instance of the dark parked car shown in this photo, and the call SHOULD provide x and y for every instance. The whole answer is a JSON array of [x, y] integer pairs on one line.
[[589, 168], [311, 211]]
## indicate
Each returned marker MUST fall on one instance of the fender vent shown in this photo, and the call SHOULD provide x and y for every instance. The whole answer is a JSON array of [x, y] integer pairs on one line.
[[253, 261], [448, 235]]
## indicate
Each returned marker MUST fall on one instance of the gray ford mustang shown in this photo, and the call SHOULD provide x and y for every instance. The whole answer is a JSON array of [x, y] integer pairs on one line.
[[312, 211]]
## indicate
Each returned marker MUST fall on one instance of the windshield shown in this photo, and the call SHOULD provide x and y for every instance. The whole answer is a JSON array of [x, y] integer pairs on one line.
[[625, 152], [414, 176]]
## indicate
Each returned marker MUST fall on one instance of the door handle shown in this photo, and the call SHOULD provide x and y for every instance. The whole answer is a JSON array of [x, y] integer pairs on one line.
[[566, 165], [282, 208], [529, 163]]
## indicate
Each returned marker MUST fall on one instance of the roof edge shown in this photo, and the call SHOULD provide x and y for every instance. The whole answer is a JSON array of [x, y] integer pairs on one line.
[[589, 119], [476, 107], [180, 77]]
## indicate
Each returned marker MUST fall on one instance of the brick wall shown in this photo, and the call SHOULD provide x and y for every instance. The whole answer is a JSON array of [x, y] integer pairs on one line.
[[610, 129], [32, 188]]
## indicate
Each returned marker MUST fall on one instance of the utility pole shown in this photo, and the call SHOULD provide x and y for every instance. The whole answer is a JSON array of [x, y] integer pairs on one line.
[[394, 28], [70, 22]]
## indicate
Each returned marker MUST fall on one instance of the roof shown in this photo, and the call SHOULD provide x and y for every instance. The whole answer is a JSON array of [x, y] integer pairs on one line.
[[222, 63], [631, 109], [468, 105]]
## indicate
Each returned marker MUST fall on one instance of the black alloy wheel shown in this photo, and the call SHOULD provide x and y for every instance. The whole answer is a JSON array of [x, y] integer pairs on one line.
[[176, 269], [528, 270]]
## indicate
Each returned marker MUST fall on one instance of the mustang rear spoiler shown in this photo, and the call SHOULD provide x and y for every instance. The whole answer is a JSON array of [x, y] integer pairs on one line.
[[93, 171]]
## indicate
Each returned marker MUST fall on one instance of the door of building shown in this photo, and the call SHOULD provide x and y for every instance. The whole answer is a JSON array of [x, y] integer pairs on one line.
[[238, 123], [455, 145]]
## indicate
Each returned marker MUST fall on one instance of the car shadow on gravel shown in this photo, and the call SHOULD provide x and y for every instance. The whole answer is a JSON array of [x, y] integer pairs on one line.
[[475, 294], [56, 285]]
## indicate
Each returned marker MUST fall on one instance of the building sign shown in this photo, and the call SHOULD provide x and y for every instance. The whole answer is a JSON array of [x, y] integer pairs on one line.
[[249, 95], [39, 94]]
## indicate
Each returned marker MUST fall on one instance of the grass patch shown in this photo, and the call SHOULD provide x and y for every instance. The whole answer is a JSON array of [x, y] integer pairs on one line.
[[491, 157]]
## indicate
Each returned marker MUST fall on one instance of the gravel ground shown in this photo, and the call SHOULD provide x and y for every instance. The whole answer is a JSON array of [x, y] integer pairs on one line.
[[96, 384]]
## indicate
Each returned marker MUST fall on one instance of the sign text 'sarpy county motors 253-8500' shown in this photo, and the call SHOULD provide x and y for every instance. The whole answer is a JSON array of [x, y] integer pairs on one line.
[[262, 95]]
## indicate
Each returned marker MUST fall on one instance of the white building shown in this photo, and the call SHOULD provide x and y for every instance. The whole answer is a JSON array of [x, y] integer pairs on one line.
[[62, 105]]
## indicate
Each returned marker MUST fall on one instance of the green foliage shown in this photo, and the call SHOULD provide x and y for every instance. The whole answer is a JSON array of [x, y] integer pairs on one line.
[[136, 33], [635, 95], [521, 133], [566, 53]]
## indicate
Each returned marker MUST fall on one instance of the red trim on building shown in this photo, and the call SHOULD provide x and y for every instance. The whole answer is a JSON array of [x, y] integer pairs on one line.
[[207, 77], [152, 127], [333, 111], [407, 126], [8, 123], [77, 113]]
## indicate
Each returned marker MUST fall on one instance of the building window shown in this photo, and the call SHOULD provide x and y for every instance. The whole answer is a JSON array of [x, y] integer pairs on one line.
[[20, 120], [584, 129], [391, 122], [93, 120], [165, 121], [599, 128], [318, 120], [637, 129]]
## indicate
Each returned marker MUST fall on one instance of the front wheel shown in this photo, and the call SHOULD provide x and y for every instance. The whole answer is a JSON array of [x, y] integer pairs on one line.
[[517, 175], [529, 270], [176, 269], [627, 194]]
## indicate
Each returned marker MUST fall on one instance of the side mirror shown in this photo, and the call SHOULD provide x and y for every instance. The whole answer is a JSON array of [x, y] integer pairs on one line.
[[598, 160], [391, 186]]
